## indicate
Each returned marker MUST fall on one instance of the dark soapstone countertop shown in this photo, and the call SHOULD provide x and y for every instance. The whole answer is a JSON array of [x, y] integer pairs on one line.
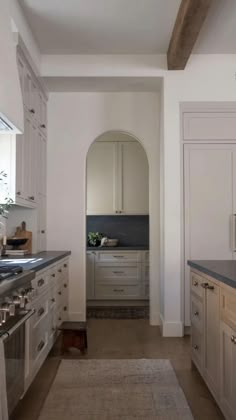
[[222, 270], [118, 248], [35, 262]]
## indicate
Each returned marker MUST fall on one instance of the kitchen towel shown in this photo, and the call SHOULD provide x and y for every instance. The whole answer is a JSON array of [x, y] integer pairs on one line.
[[3, 388]]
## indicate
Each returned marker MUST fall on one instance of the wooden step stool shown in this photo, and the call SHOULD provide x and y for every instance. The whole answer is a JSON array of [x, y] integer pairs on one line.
[[74, 334]]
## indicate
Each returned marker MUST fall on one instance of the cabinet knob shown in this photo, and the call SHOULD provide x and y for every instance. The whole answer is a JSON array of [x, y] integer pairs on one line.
[[43, 126], [233, 339], [31, 197], [65, 265], [195, 283], [18, 193], [196, 313], [196, 347], [42, 231], [53, 275], [32, 111]]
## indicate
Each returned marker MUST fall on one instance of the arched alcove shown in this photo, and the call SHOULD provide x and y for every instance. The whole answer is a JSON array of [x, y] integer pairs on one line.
[[122, 137]]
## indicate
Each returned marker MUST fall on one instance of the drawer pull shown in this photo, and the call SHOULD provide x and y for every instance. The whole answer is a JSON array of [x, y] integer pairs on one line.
[[65, 265], [53, 300], [59, 293], [41, 311], [118, 290], [195, 283], [60, 270], [41, 282], [196, 347], [118, 272], [207, 286], [65, 285], [118, 256], [40, 346], [53, 275], [196, 313], [233, 339], [59, 319], [65, 308]]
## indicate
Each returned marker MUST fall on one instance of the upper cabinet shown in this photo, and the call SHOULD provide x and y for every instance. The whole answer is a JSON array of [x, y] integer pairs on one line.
[[117, 178]]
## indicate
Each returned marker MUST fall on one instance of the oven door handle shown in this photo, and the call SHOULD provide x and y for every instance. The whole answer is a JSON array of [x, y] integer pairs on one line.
[[8, 333]]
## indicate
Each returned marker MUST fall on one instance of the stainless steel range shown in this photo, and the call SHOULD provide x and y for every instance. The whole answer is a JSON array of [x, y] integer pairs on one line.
[[15, 294]]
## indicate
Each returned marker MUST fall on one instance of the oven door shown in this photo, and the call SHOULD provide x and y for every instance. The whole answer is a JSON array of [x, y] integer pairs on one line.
[[14, 348]]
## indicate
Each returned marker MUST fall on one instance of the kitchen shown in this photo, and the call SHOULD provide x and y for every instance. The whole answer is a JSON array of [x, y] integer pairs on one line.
[[66, 98]]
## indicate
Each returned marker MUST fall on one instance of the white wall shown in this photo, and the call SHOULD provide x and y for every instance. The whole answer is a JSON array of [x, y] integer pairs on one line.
[[74, 122], [206, 78]]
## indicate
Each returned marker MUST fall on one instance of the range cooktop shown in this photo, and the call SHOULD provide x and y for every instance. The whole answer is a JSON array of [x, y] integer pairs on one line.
[[7, 271]]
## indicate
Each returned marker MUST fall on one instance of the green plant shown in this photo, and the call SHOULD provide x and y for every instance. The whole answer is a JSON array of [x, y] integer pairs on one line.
[[94, 238], [5, 200]]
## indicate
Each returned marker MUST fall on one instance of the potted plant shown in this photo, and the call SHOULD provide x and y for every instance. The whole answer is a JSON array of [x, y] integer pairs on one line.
[[94, 238]]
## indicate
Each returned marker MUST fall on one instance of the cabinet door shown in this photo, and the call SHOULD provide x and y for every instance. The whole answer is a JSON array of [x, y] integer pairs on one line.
[[212, 337], [101, 178], [209, 173], [41, 209], [20, 155], [41, 162], [228, 370], [133, 197], [90, 275], [26, 159], [32, 168]]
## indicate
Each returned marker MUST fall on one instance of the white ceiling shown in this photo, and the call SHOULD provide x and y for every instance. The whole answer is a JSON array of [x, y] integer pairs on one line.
[[103, 84], [218, 34], [123, 26], [101, 26]]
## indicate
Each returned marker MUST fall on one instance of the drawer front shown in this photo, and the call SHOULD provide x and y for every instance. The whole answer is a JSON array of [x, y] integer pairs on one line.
[[197, 347], [196, 282], [117, 292], [145, 257], [228, 307], [40, 283], [117, 274], [197, 316], [39, 346], [41, 307], [115, 256]]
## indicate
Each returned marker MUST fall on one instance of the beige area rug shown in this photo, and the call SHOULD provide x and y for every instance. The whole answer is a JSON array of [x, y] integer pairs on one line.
[[141, 389]]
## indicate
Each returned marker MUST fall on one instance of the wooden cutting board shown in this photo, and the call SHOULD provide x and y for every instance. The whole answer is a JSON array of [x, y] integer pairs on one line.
[[21, 232]]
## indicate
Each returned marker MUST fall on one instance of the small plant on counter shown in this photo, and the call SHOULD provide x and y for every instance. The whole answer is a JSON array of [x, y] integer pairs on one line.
[[5, 200], [94, 238]]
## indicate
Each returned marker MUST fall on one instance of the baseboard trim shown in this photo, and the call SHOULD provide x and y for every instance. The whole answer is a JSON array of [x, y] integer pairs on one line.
[[171, 329]]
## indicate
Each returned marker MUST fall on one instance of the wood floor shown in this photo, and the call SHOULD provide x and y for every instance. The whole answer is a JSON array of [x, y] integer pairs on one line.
[[124, 339]]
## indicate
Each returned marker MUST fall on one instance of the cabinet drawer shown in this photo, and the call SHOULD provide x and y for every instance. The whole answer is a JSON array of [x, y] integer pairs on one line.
[[197, 347], [117, 273], [39, 346], [41, 307], [196, 282], [228, 307], [114, 256], [40, 283], [117, 292], [197, 316]]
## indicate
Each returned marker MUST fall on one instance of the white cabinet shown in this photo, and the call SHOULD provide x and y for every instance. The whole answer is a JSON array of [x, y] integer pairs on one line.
[[134, 178], [228, 370], [117, 178], [117, 275], [209, 205], [101, 178], [213, 338]]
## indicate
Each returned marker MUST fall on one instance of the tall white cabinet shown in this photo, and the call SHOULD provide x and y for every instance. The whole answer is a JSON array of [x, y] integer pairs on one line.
[[209, 187], [209, 205], [117, 178]]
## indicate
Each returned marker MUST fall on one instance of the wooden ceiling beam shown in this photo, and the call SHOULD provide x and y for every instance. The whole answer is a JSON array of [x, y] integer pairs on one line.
[[189, 21]]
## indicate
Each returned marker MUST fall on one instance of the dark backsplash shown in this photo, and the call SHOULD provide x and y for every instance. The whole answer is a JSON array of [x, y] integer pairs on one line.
[[130, 230]]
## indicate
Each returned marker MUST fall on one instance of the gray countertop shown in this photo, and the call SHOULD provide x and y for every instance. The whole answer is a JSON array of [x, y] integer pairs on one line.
[[222, 270], [118, 248], [35, 262]]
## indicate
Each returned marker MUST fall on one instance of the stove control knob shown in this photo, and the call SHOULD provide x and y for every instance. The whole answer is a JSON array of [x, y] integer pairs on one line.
[[19, 300], [8, 307]]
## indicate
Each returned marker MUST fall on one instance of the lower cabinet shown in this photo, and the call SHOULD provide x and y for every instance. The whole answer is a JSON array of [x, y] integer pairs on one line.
[[228, 370], [50, 303], [116, 275], [213, 338]]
